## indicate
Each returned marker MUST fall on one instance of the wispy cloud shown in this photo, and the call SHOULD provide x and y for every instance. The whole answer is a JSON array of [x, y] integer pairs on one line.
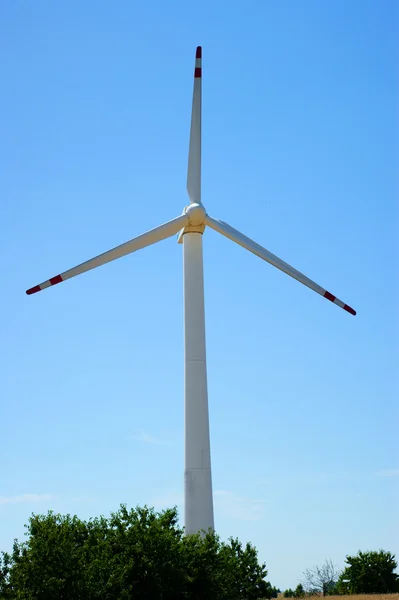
[[234, 506], [26, 498], [388, 473], [146, 438]]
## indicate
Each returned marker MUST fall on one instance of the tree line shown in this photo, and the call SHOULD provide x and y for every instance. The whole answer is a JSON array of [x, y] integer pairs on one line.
[[135, 554], [371, 572], [140, 554]]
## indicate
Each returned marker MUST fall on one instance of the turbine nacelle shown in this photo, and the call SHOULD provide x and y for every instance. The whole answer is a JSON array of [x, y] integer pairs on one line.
[[196, 214]]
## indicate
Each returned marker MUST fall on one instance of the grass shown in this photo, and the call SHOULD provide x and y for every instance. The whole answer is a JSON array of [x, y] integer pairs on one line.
[[359, 597]]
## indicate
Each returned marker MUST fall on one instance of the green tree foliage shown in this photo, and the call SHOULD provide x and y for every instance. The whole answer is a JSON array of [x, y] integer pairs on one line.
[[299, 592], [334, 590], [370, 573], [134, 555]]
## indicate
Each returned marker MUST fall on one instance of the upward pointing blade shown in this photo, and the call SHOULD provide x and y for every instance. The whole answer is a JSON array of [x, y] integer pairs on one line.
[[194, 156]]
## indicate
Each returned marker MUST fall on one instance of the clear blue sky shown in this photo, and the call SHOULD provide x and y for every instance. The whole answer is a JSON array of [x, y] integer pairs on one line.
[[300, 152]]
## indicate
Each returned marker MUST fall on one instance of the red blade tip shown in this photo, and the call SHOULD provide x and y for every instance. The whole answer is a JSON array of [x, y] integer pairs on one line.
[[52, 281], [349, 309], [198, 53], [33, 290]]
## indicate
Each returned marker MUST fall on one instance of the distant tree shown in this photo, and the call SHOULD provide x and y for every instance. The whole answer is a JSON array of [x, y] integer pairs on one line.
[[289, 593], [335, 590], [135, 553], [273, 592], [321, 579], [370, 573], [299, 591]]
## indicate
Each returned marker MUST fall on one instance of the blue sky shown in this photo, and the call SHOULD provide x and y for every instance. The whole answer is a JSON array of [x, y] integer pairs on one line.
[[300, 152]]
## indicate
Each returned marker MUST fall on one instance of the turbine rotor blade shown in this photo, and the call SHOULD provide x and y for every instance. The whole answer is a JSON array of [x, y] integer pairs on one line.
[[248, 244], [146, 239], [194, 156]]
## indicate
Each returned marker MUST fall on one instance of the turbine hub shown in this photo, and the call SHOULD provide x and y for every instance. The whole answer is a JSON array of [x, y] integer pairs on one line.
[[196, 214], [196, 220]]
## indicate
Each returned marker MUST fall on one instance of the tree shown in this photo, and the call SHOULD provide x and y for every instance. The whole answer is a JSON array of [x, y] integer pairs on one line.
[[243, 576], [299, 591], [321, 579], [135, 553], [370, 573], [289, 593]]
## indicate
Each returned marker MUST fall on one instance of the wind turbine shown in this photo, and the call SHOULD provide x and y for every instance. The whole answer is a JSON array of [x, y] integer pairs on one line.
[[190, 226]]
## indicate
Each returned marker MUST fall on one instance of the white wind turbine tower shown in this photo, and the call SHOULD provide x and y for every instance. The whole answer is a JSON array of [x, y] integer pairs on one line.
[[190, 226]]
